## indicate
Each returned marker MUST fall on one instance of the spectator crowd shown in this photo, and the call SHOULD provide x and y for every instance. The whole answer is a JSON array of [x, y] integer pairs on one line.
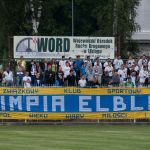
[[79, 72]]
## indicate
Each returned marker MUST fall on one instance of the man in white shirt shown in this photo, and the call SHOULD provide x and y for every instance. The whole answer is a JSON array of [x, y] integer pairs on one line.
[[8, 77], [27, 80], [109, 69], [62, 62], [118, 62], [122, 72], [143, 75], [142, 61], [106, 63], [130, 62], [66, 69]]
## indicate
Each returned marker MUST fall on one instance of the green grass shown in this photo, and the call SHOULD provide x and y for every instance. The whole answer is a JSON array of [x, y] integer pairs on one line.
[[79, 137]]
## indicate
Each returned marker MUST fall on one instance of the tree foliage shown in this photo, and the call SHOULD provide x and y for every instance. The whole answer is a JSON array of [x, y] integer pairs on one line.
[[91, 18]]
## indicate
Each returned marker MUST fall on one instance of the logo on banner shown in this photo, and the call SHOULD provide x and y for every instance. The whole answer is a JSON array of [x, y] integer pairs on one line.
[[27, 45], [35, 44]]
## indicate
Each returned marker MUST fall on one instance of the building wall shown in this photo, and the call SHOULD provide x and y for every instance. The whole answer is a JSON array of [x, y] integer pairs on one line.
[[143, 19]]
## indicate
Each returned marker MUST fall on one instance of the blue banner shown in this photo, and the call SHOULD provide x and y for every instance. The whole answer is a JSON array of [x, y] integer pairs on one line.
[[75, 103]]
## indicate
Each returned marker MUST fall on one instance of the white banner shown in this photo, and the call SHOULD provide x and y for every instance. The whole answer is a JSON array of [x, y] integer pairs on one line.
[[58, 46]]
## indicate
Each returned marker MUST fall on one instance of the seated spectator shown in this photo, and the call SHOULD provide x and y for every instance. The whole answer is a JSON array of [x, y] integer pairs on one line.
[[27, 80], [71, 79], [106, 80], [8, 77], [82, 81], [129, 83], [115, 79]]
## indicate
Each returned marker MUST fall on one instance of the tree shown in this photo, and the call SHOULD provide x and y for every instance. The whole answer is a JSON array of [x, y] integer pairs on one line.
[[54, 18]]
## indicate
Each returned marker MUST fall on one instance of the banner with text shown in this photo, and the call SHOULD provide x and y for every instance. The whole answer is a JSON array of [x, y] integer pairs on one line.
[[75, 103], [58, 46]]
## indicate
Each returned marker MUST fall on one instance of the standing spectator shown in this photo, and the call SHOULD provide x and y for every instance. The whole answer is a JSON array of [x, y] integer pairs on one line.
[[33, 71], [88, 61], [130, 62], [142, 61], [53, 65], [143, 75], [49, 77], [60, 76], [90, 77], [27, 80], [83, 70], [109, 69], [117, 63], [22, 61], [78, 64], [149, 65], [38, 67], [134, 78], [71, 79], [98, 62], [20, 73], [149, 79], [66, 70], [98, 72], [8, 77], [106, 63], [62, 62], [39, 79], [122, 72], [82, 82], [70, 62], [44, 68]]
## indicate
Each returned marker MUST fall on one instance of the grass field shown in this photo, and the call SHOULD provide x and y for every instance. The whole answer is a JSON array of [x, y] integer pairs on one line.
[[79, 137]]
